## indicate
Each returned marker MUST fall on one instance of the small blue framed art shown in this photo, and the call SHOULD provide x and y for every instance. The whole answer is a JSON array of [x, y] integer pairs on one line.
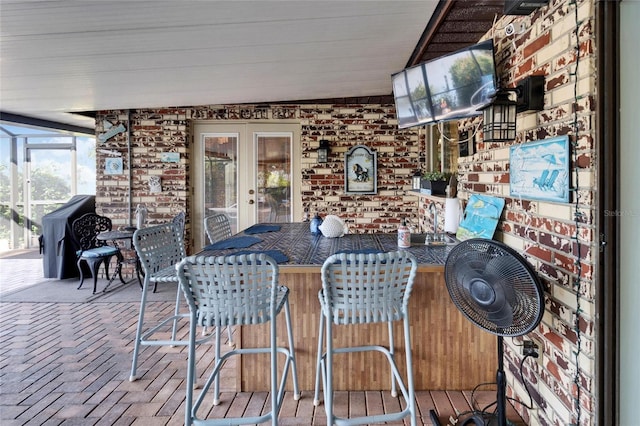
[[540, 170]]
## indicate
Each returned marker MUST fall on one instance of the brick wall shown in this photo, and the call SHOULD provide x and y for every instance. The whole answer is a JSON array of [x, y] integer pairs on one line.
[[152, 132], [558, 239], [155, 131], [399, 153]]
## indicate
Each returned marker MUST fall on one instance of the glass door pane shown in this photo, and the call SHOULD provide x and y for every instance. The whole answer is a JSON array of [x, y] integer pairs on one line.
[[246, 173], [274, 177], [220, 175]]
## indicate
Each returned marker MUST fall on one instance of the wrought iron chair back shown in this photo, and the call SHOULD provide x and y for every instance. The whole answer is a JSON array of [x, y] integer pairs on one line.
[[92, 251], [86, 229]]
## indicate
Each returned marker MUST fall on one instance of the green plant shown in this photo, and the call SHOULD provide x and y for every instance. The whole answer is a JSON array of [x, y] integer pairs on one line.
[[436, 176]]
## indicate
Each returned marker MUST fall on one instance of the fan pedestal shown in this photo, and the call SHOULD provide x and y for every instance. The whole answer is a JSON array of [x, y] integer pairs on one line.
[[496, 289], [501, 380]]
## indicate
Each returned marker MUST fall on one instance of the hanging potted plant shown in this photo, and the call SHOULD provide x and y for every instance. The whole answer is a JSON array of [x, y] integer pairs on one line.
[[435, 181]]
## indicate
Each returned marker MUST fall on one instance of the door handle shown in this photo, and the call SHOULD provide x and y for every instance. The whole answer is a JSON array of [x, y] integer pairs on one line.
[[251, 201]]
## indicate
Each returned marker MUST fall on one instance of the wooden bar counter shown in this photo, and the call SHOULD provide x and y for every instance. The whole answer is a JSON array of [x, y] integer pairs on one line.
[[449, 352]]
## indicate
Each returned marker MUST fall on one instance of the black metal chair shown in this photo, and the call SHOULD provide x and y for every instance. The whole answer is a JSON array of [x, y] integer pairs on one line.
[[91, 250]]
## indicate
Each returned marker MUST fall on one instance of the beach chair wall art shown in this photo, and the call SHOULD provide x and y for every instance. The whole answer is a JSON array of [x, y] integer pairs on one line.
[[540, 170]]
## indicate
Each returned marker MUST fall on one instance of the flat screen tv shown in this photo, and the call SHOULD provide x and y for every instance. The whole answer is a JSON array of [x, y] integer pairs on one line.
[[451, 87]]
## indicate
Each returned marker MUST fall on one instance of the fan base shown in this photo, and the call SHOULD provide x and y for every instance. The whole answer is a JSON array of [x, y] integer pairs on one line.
[[480, 419]]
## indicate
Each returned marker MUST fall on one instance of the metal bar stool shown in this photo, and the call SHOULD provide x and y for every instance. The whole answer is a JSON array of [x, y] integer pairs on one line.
[[159, 248], [236, 290], [359, 288], [217, 227]]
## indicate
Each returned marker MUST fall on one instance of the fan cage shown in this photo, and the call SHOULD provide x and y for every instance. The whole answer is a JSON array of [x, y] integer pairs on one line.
[[497, 270]]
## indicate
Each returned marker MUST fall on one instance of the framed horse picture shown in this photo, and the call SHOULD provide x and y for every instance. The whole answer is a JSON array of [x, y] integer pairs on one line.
[[360, 171]]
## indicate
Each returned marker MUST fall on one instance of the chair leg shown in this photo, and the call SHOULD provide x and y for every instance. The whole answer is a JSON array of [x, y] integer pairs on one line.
[[394, 390], [230, 336], [328, 374], [216, 383], [410, 384], [138, 268], [136, 344], [79, 265], [275, 406], [95, 266], [316, 393], [106, 261], [191, 367], [176, 312], [292, 353]]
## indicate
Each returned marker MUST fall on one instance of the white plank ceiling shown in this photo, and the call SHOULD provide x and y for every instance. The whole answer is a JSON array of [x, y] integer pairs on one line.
[[59, 57]]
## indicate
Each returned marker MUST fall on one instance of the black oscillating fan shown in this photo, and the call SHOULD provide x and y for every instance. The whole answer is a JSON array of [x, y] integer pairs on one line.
[[497, 290]]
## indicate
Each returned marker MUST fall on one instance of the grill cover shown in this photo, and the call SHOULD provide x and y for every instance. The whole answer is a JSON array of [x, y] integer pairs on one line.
[[57, 244]]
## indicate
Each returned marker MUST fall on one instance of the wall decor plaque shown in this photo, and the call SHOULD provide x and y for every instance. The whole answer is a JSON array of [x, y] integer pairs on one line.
[[360, 171]]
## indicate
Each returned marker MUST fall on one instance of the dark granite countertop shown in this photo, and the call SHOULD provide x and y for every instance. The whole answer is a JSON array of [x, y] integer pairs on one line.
[[302, 248]]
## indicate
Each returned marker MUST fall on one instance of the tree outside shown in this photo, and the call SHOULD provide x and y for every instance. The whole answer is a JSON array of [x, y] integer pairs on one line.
[[49, 185]]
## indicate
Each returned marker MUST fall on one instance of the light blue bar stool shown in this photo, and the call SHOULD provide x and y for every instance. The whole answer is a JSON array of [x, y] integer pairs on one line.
[[229, 291], [365, 288], [217, 227], [159, 249]]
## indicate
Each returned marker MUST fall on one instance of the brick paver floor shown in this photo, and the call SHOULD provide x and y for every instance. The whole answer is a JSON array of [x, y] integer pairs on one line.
[[69, 363]]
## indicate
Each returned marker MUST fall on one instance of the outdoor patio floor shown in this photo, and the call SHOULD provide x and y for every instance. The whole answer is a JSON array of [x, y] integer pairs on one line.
[[65, 359]]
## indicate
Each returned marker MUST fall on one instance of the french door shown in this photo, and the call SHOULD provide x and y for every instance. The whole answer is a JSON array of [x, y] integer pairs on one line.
[[245, 171]]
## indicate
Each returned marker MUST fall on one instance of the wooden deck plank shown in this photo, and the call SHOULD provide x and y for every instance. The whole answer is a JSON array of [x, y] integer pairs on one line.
[[319, 415], [259, 404], [341, 403], [444, 409], [289, 407], [374, 404], [425, 405], [305, 410], [391, 404], [459, 403], [208, 410], [447, 405], [357, 404], [483, 398], [238, 405]]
